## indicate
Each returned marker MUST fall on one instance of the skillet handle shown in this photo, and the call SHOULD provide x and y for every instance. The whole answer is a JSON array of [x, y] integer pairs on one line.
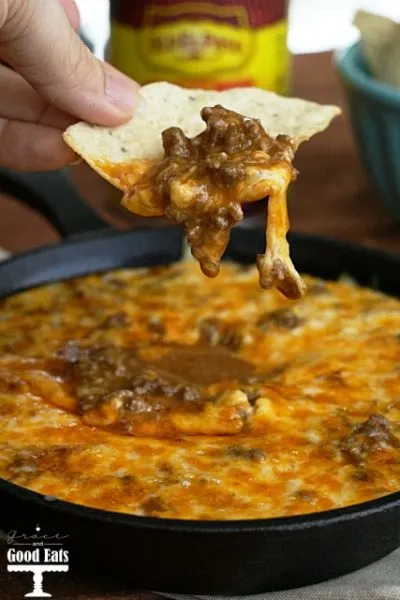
[[55, 197]]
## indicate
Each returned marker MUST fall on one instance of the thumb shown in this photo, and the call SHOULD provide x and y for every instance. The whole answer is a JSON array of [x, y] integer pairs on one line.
[[72, 12], [38, 41]]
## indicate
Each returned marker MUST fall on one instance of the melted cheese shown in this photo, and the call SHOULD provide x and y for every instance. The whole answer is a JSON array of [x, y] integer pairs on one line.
[[333, 362], [202, 183]]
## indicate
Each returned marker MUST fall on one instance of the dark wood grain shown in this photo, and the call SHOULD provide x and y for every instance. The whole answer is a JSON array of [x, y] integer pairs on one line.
[[332, 197]]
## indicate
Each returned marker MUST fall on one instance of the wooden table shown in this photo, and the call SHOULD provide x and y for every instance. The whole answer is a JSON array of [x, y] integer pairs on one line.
[[332, 197]]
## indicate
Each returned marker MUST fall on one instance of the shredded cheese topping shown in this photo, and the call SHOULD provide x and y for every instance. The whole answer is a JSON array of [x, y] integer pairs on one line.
[[324, 427]]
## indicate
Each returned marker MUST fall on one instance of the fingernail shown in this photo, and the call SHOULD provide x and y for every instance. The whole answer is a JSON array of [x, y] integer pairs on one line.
[[121, 91]]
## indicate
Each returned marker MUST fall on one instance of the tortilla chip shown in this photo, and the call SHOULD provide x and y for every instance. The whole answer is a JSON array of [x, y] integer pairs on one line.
[[165, 105], [380, 45], [222, 149]]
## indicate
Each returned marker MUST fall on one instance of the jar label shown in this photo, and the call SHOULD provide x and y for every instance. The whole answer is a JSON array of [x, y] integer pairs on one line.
[[215, 45]]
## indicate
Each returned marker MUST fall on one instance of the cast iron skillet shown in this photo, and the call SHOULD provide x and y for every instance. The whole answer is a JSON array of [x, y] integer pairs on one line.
[[237, 557]]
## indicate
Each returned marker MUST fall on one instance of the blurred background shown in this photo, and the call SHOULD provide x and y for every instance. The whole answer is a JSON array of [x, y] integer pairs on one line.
[[349, 182], [314, 25]]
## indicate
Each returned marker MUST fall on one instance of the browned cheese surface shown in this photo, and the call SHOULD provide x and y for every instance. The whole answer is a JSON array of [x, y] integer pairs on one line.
[[157, 392]]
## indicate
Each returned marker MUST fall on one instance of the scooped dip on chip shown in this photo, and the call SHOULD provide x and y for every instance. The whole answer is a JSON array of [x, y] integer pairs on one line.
[[196, 156]]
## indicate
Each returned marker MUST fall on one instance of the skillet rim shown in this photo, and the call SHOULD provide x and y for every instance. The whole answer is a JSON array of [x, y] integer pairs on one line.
[[293, 237], [276, 524], [107, 234], [292, 523]]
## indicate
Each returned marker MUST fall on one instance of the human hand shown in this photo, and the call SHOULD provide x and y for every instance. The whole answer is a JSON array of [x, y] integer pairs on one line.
[[54, 81]]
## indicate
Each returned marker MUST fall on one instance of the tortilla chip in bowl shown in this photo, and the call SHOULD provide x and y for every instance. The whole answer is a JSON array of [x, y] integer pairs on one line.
[[370, 74]]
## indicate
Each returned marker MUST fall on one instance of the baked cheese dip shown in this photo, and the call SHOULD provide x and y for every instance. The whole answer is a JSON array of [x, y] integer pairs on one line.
[[154, 392]]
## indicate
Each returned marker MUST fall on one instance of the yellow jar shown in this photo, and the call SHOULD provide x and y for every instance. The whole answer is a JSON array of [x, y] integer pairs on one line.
[[216, 44]]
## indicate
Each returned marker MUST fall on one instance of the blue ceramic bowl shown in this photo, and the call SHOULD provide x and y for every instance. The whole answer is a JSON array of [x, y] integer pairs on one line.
[[375, 114]]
